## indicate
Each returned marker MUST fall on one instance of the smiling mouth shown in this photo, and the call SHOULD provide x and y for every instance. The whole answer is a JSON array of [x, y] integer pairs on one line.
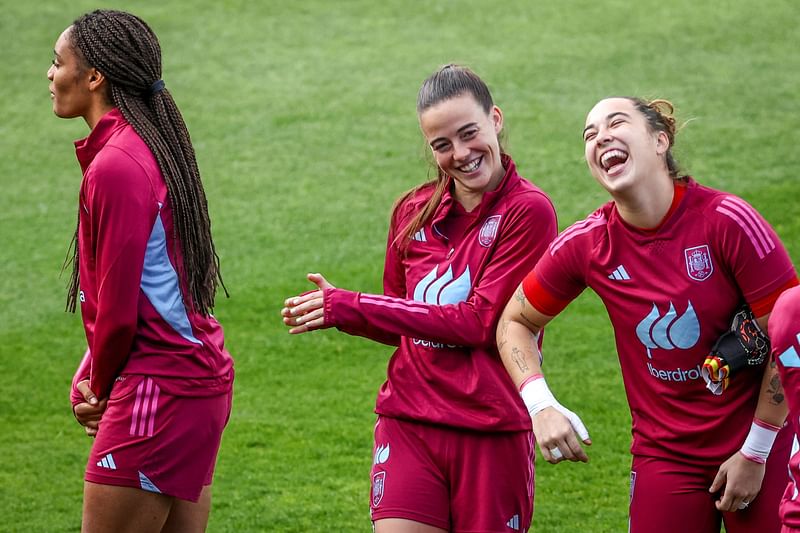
[[613, 158], [472, 166]]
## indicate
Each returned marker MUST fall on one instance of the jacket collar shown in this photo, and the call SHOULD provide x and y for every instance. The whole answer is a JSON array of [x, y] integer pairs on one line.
[[489, 198], [87, 148]]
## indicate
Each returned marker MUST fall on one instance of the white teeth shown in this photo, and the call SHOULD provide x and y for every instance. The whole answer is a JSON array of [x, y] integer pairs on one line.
[[612, 153], [470, 167]]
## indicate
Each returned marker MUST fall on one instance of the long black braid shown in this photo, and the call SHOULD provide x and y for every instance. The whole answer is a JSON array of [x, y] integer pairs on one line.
[[125, 50]]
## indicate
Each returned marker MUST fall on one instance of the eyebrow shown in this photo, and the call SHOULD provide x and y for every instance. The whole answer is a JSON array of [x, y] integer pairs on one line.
[[462, 128], [608, 117]]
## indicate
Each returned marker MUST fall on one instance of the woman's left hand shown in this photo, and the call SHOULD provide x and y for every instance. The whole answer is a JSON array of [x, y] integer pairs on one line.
[[305, 312], [739, 479]]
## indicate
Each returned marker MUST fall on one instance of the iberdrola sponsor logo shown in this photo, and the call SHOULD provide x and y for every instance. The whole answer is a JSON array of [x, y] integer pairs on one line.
[[677, 375]]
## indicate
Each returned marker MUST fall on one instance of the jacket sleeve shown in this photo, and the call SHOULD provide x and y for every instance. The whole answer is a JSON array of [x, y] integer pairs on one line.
[[82, 373], [526, 232], [123, 210]]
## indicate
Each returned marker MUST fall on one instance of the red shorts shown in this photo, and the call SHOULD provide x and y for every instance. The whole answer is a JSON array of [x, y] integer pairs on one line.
[[667, 496], [157, 441], [451, 478]]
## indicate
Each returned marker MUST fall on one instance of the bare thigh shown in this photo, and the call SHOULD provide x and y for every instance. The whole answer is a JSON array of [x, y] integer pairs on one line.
[[113, 509], [400, 525], [189, 517]]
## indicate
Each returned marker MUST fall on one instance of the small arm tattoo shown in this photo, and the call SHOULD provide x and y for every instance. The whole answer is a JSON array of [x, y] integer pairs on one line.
[[519, 296], [775, 389], [503, 334], [519, 358]]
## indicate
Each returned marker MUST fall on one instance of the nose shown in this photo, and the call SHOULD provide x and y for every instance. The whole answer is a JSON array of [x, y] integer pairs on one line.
[[50, 72], [603, 136], [460, 151]]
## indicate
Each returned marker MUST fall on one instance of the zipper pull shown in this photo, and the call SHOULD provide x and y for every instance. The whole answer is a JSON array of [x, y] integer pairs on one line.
[[450, 253]]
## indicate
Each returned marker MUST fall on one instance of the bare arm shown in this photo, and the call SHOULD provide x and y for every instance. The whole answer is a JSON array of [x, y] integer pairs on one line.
[[554, 426], [771, 406], [740, 477]]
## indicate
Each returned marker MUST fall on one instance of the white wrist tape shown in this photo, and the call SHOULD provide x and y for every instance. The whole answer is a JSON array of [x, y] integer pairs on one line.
[[759, 441], [537, 396]]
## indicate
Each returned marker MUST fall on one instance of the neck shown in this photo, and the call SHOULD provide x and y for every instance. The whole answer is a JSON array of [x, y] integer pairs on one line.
[[646, 206], [469, 198], [93, 116]]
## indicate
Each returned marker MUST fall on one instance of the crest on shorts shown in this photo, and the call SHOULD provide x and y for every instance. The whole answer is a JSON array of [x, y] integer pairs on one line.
[[489, 230], [378, 481], [698, 262]]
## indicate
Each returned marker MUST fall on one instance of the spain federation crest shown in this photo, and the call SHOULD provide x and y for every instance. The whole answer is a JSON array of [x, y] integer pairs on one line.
[[377, 487], [698, 262], [489, 230]]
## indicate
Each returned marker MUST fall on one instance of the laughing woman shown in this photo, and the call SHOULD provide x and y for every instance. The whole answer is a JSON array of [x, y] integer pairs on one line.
[[672, 261]]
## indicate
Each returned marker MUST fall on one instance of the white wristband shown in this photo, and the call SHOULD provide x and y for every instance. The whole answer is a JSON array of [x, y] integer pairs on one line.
[[537, 396], [759, 441]]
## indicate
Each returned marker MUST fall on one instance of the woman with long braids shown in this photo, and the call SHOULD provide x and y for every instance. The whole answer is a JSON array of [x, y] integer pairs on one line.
[[155, 385]]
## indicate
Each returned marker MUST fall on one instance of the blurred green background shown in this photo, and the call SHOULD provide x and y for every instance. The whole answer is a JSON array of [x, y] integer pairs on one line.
[[302, 115]]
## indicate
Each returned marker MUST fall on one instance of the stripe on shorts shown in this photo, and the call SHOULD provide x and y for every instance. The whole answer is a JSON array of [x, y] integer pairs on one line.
[[143, 417]]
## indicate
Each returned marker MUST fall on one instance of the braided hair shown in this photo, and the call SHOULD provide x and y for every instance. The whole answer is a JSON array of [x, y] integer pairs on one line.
[[126, 51]]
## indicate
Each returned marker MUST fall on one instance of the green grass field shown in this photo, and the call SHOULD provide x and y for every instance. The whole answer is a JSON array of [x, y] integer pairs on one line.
[[302, 115]]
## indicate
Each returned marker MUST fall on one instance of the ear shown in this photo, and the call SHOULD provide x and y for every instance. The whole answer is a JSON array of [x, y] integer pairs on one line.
[[497, 119], [662, 143], [97, 81]]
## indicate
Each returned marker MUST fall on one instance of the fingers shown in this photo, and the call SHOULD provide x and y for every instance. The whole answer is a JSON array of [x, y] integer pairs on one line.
[[308, 325], [89, 415], [564, 451], [719, 481], [299, 304], [731, 500], [731, 504], [304, 313], [578, 426], [551, 455], [557, 437], [88, 395], [319, 281]]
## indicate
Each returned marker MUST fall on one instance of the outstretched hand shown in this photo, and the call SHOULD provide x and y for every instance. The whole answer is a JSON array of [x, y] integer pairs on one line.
[[306, 312], [90, 412]]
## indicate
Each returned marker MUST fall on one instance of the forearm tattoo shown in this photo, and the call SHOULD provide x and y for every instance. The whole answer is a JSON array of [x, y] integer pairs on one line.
[[519, 358], [774, 388], [503, 334]]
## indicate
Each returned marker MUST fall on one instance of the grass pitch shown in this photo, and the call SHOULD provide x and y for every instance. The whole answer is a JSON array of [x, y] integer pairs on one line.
[[302, 115]]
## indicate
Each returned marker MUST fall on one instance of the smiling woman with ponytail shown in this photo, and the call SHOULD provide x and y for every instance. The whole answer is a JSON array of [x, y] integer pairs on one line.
[[155, 385]]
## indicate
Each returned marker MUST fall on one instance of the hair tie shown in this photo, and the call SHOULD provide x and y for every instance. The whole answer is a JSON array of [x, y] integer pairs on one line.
[[157, 87]]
